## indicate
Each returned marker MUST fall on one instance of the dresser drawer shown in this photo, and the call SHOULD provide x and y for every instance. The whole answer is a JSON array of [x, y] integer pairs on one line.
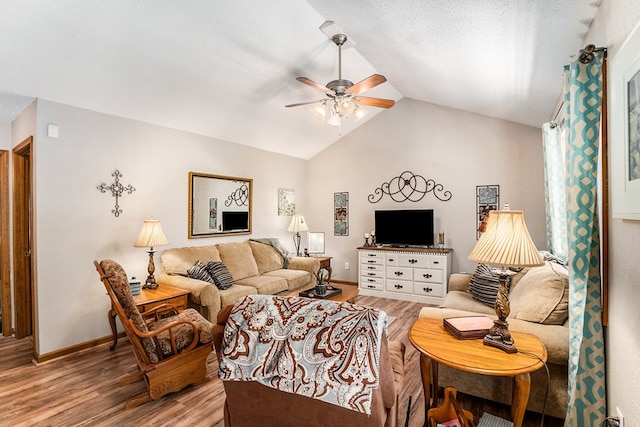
[[372, 270], [402, 286], [399, 273], [372, 258], [428, 275], [179, 302], [438, 262], [428, 289], [391, 259], [414, 261], [376, 283]]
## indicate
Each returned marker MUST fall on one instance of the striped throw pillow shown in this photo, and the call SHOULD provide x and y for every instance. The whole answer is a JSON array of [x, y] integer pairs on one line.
[[220, 275], [199, 271], [484, 285]]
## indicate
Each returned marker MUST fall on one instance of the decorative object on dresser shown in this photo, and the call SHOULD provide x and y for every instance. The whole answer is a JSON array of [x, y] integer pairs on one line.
[[151, 235], [411, 274], [117, 190], [296, 226], [411, 187], [505, 243]]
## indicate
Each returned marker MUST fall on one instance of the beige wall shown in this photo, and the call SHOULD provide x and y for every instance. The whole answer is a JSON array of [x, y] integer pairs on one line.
[[74, 220], [457, 149], [610, 28]]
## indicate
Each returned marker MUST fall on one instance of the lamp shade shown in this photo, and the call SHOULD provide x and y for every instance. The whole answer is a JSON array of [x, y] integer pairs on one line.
[[297, 224], [151, 235], [506, 242]]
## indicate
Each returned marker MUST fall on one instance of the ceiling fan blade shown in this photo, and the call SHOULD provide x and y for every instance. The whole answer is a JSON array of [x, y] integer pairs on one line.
[[314, 85], [375, 102], [368, 83], [304, 103]]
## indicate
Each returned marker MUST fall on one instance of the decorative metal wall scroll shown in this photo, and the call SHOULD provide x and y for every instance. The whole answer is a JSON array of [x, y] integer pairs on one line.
[[117, 189], [409, 186], [340, 214], [487, 199], [240, 197]]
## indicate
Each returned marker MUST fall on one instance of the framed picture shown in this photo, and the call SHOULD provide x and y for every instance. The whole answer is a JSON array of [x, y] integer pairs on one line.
[[625, 129], [213, 213], [316, 242], [341, 214], [487, 200], [286, 202]]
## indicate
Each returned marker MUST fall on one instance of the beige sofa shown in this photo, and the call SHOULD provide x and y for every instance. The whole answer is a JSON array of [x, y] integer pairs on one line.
[[539, 306], [256, 268]]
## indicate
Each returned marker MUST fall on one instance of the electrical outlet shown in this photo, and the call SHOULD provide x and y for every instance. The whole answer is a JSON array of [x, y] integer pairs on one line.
[[620, 417], [346, 265]]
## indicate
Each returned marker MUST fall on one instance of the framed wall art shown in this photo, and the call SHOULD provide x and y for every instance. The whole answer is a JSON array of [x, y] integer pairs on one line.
[[487, 200], [286, 202], [625, 129], [341, 214]]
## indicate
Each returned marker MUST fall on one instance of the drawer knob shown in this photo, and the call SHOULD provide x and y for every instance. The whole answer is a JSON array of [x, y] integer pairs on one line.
[[371, 274], [427, 290], [371, 280], [398, 286], [436, 262], [413, 261], [427, 276], [371, 268], [371, 261], [371, 287], [398, 273]]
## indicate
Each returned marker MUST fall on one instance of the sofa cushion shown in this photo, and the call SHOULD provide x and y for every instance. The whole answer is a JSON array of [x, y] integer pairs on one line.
[[265, 285], [464, 301], [231, 295], [239, 259], [200, 271], [219, 274], [267, 258], [179, 260], [542, 295], [296, 279]]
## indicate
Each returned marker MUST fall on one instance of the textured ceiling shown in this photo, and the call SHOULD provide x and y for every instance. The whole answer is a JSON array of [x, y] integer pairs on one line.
[[227, 68]]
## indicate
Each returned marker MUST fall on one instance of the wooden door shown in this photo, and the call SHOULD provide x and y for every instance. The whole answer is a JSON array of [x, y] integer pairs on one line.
[[22, 236], [5, 247]]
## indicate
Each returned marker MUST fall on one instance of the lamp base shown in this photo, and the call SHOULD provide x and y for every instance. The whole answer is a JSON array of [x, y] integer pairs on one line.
[[500, 337]]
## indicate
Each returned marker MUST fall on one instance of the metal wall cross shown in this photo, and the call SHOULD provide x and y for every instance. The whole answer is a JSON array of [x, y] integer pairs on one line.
[[117, 189]]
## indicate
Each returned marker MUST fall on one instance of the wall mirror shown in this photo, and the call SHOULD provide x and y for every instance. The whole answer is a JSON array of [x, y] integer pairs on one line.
[[219, 205]]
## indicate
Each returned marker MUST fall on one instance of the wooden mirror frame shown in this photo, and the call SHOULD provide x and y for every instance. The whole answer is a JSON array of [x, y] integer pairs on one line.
[[240, 193]]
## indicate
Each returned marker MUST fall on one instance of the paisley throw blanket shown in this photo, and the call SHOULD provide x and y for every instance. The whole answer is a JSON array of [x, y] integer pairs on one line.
[[316, 348]]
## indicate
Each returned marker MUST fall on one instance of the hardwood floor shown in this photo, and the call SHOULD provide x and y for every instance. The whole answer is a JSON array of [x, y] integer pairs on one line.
[[81, 389]]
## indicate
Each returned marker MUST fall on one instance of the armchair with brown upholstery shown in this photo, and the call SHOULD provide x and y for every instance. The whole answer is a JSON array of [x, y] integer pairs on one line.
[[251, 403], [170, 347]]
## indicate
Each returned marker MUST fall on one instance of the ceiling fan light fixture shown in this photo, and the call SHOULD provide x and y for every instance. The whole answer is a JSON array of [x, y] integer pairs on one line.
[[320, 112], [334, 119], [359, 113], [346, 106]]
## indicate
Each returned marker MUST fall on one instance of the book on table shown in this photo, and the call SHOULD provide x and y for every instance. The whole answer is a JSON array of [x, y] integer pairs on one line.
[[468, 327]]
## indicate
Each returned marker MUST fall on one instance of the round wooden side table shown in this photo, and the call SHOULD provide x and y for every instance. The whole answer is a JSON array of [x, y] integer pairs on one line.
[[437, 345]]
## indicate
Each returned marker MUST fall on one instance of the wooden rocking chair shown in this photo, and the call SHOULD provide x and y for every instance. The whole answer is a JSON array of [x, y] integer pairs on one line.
[[170, 347]]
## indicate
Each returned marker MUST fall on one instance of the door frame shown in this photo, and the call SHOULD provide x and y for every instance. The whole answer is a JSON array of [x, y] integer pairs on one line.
[[23, 226], [5, 246]]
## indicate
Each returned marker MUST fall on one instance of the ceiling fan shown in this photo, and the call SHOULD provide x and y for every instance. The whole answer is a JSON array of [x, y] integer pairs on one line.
[[343, 97]]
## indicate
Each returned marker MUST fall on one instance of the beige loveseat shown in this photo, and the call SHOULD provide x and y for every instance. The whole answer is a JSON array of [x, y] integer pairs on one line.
[[539, 306], [256, 268]]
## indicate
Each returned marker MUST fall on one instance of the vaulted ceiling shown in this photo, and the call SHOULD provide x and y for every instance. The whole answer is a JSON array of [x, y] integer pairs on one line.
[[226, 68]]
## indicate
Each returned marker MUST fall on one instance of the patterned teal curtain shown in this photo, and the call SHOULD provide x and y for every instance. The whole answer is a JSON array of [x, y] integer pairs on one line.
[[555, 189], [587, 394]]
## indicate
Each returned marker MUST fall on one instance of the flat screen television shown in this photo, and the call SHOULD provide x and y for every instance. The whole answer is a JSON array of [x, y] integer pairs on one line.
[[235, 221], [408, 227]]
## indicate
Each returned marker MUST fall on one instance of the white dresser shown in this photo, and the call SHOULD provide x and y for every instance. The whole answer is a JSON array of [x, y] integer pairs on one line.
[[410, 274]]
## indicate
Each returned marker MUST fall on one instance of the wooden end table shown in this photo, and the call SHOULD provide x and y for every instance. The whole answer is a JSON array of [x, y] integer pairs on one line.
[[150, 298], [436, 345]]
